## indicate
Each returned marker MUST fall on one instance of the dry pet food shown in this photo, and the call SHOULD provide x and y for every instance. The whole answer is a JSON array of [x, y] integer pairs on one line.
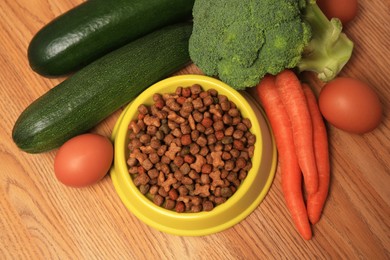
[[190, 150]]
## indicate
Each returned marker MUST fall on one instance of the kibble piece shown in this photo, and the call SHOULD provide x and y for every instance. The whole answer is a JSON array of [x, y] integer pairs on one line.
[[155, 143], [178, 90], [201, 141], [176, 132], [208, 100], [153, 173], [157, 97], [154, 158], [170, 204], [200, 128], [141, 179], [207, 122], [187, 107], [165, 168], [185, 168], [173, 194], [227, 140], [229, 165], [162, 192], [151, 120], [251, 139], [194, 148], [206, 168], [153, 190], [197, 103], [219, 135], [151, 130], [158, 199], [233, 112], [161, 150], [205, 178], [204, 151], [199, 162], [144, 188], [185, 128], [194, 175], [145, 138], [212, 92], [196, 208], [242, 175], [187, 181], [160, 135], [165, 159], [251, 151], [182, 190], [202, 190], [238, 144], [131, 162], [219, 200], [207, 205], [236, 120], [195, 135], [178, 161], [188, 158], [180, 207], [219, 125], [185, 151], [172, 125], [172, 104], [134, 127], [225, 105], [143, 109], [178, 175], [209, 131], [238, 134], [242, 127], [186, 92], [226, 156], [197, 116], [241, 162], [164, 128], [196, 89]]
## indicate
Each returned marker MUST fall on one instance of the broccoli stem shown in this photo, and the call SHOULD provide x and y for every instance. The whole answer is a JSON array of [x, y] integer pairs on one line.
[[329, 49]]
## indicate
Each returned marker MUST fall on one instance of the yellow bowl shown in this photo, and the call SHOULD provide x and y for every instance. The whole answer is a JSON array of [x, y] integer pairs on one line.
[[247, 197]]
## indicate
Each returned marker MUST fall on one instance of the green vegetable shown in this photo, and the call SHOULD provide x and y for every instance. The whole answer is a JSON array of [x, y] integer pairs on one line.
[[241, 41], [94, 92], [97, 27], [329, 49]]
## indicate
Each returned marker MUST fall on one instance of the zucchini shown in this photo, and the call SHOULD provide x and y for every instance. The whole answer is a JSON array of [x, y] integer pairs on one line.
[[97, 27], [94, 92]]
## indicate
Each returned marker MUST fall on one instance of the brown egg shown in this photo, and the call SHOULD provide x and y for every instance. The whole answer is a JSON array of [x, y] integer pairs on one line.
[[345, 10], [83, 160], [350, 105]]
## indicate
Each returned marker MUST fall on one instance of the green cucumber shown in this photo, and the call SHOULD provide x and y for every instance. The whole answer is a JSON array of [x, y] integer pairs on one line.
[[94, 28], [93, 93]]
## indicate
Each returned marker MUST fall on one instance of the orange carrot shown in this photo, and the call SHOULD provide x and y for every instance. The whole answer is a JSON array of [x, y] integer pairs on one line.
[[291, 173], [293, 98], [316, 201]]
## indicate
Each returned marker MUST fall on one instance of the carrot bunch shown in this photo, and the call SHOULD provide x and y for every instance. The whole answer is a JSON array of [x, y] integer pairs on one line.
[[302, 144]]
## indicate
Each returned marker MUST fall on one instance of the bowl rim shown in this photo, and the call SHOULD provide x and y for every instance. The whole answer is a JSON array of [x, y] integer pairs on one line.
[[120, 167]]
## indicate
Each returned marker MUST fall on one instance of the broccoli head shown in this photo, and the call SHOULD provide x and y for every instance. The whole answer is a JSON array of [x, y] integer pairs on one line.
[[241, 41]]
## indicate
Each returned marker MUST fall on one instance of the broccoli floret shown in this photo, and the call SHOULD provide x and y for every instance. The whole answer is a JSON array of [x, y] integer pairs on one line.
[[241, 41]]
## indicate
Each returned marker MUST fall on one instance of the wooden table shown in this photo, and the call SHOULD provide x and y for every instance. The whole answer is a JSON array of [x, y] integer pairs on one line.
[[43, 219]]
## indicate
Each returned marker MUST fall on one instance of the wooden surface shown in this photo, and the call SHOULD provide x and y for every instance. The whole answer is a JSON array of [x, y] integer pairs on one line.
[[42, 219]]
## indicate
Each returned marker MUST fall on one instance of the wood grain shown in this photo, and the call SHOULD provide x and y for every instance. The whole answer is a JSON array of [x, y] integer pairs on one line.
[[42, 219]]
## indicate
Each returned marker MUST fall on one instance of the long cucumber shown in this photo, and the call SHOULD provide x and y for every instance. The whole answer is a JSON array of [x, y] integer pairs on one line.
[[96, 91]]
